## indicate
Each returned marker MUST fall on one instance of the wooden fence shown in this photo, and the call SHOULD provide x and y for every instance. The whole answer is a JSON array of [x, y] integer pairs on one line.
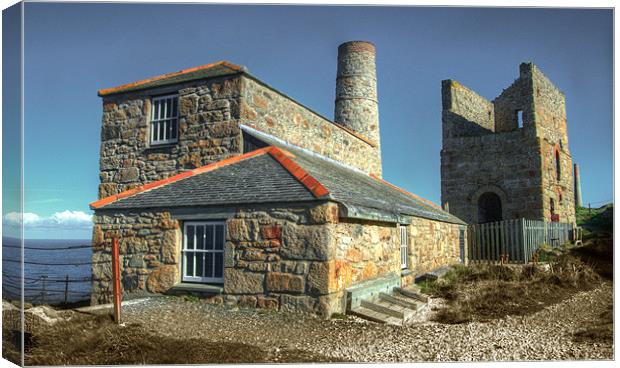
[[515, 241]]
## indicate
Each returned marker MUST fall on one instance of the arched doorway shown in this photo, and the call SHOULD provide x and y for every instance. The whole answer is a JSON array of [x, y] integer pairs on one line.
[[489, 208]]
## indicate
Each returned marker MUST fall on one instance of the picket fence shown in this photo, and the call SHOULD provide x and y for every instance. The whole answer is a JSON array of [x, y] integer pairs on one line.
[[515, 241]]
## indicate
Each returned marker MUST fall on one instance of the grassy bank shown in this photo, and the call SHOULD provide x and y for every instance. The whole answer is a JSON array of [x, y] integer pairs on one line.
[[484, 292]]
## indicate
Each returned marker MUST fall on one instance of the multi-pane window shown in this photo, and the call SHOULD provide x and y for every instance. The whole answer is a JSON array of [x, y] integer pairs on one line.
[[404, 246], [164, 119], [203, 251]]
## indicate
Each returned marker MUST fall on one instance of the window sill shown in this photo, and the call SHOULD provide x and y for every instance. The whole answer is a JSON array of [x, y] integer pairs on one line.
[[163, 146], [197, 288], [405, 272]]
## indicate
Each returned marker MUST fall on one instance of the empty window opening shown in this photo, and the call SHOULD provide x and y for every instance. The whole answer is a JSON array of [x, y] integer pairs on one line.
[[519, 118], [552, 205], [489, 208], [558, 166], [404, 247]]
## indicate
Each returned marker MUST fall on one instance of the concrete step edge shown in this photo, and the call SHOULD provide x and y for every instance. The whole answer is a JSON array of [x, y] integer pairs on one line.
[[369, 314], [385, 309], [412, 294], [409, 304]]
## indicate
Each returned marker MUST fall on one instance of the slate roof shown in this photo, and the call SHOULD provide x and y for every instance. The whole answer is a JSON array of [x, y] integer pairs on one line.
[[253, 180], [218, 69], [278, 173], [350, 186]]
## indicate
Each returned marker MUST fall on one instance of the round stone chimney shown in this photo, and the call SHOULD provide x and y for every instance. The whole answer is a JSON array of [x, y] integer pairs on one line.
[[356, 89]]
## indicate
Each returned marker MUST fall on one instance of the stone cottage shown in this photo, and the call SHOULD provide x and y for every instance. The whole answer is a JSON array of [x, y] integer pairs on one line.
[[217, 183], [507, 158]]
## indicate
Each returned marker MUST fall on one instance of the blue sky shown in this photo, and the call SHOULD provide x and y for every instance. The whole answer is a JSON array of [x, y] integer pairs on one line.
[[72, 50]]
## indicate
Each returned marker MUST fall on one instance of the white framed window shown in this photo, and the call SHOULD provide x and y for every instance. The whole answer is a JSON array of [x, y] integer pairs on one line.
[[164, 119], [203, 251], [404, 247]]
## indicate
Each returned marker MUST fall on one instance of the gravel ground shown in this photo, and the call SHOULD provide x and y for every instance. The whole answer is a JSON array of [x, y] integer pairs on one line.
[[545, 335]]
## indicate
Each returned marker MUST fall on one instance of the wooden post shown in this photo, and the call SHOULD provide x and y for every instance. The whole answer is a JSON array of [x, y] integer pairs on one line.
[[43, 288], [116, 281]]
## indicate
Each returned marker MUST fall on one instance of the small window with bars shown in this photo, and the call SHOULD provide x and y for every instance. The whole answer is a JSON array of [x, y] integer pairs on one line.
[[164, 119], [404, 247]]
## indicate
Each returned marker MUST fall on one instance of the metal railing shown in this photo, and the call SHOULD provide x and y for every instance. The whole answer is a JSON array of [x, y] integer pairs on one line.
[[515, 241]]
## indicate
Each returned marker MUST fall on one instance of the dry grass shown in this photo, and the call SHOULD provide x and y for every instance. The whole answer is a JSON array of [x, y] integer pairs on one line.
[[97, 340], [484, 292]]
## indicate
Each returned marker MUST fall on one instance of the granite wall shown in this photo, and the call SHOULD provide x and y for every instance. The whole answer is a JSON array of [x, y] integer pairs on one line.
[[208, 132], [275, 257], [274, 113], [496, 155], [433, 244]]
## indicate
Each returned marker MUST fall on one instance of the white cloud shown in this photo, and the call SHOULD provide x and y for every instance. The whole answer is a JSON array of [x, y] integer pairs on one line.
[[14, 218], [69, 217], [65, 220]]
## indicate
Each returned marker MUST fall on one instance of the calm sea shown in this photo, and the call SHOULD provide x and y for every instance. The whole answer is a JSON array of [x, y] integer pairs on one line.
[[48, 266]]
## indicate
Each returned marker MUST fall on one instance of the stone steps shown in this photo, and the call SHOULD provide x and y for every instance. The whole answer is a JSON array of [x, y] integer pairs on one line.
[[374, 316], [402, 301], [396, 307]]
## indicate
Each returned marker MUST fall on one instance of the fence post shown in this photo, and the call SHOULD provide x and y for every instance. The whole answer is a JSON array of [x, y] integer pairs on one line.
[[116, 282], [523, 241], [66, 289], [43, 288]]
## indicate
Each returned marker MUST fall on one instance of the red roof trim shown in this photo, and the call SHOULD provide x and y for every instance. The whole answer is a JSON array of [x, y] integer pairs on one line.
[[406, 192], [186, 174], [313, 185], [107, 91]]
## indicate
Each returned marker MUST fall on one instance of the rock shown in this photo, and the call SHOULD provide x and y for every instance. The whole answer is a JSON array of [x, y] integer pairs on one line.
[[169, 247], [243, 282], [267, 303], [318, 278], [136, 261], [306, 242], [299, 303], [325, 213], [110, 132], [242, 230], [130, 282], [277, 281], [128, 175], [271, 232], [161, 279], [42, 314]]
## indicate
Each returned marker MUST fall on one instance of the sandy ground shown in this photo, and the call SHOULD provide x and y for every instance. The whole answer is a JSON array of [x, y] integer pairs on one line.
[[545, 335]]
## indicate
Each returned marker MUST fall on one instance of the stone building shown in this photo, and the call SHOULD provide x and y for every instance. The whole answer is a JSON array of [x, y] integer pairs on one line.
[[507, 158], [217, 183]]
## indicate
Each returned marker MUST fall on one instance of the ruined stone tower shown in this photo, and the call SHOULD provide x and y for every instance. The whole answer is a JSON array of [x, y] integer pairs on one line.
[[507, 158], [357, 106]]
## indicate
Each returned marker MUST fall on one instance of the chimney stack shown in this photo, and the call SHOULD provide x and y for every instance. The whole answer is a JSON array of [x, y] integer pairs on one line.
[[578, 202], [356, 90]]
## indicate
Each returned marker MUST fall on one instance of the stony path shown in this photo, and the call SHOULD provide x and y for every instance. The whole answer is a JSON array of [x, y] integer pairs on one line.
[[546, 335]]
